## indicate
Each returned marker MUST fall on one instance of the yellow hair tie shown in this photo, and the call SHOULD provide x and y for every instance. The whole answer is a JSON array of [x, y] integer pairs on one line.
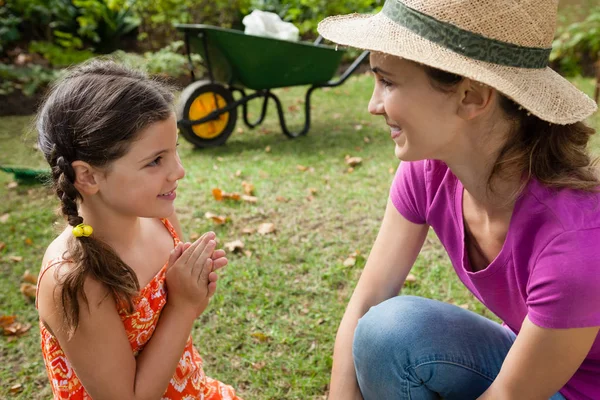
[[82, 230]]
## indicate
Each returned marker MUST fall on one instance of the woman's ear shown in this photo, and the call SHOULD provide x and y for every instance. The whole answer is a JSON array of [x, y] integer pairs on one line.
[[475, 99], [85, 178]]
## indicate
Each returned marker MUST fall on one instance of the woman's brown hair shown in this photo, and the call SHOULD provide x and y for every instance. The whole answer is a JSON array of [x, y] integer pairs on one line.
[[93, 114], [555, 155]]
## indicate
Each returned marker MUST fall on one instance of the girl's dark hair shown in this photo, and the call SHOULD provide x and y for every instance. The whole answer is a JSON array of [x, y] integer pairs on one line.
[[555, 155], [93, 114]]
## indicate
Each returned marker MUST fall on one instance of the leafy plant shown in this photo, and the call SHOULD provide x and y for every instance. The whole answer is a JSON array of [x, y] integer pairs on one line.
[[59, 56], [104, 22], [166, 62], [158, 17], [577, 43], [26, 79], [306, 14], [9, 24]]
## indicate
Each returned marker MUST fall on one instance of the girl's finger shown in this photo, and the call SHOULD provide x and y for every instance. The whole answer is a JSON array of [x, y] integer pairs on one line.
[[175, 254], [219, 263], [200, 247], [205, 272], [213, 277], [218, 254], [212, 288]]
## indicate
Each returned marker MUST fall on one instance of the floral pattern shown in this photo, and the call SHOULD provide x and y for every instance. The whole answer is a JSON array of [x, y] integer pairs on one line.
[[188, 382]]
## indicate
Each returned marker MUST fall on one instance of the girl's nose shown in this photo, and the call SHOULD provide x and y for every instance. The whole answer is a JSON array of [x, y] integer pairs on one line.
[[178, 172]]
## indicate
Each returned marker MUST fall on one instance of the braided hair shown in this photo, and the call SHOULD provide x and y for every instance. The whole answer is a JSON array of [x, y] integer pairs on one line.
[[93, 114]]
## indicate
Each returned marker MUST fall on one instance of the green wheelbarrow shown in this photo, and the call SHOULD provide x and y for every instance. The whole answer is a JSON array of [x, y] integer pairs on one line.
[[27, 176], [207, 109]]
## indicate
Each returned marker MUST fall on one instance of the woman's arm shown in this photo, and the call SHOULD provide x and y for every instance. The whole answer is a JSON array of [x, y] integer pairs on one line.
[[392, 256], [540, 362]]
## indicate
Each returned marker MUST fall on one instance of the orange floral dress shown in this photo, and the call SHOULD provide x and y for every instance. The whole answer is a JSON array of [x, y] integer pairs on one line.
[[188, 382]]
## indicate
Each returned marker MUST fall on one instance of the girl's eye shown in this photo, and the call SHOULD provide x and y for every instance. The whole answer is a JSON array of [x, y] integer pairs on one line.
[[155, 162]]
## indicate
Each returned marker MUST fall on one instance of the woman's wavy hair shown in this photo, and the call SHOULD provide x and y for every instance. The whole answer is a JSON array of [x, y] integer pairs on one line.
[[93, 114], [555, 155]]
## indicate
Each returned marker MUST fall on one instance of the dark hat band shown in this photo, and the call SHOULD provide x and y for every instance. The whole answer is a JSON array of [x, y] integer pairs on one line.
[[469, 44]]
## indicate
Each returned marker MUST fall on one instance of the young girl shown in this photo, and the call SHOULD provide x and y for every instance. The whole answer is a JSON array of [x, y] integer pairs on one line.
[[494, 160], [109, 329]]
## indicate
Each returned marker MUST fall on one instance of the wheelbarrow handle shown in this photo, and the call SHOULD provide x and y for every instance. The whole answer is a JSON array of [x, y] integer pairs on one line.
[[348, 71]]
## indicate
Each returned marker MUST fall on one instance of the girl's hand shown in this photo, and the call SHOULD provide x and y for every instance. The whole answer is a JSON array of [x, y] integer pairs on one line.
[[189, 277]]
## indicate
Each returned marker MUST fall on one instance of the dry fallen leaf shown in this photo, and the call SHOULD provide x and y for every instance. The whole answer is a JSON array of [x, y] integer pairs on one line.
[[358, 127], [28, 290], [29, 277], [28, 241], [410, 280], [261, 337], [391, 170], [220, 158], [194, 236], [248, 231], [4, 218], [249, 199], [238, 173], [353, 161], [350, 170], [366, 140], [350, 261], [12, 185], [11, 327], [15, 258], [2, 246], [281, 199], [301, 168], [236, 245], [248, 188], [259, 365], [217, 219], [248, 253], [266, 228], [16, 388], [312, 191], [219, 195], [268, 149]]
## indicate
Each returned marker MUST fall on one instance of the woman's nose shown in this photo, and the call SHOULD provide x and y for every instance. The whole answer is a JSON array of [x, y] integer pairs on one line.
[[376, 104]]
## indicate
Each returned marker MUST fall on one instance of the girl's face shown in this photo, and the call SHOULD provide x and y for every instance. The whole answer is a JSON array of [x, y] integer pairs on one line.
[[142, 183], [422, 120]]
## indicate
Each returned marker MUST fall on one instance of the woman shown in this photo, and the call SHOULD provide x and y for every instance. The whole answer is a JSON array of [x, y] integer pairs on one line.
[[494, 159]]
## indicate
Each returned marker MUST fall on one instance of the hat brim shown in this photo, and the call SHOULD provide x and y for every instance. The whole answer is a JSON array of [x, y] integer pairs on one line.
[[543, 92]]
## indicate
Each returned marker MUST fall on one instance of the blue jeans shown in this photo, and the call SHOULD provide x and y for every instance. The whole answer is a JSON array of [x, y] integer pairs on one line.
[[420, 349]]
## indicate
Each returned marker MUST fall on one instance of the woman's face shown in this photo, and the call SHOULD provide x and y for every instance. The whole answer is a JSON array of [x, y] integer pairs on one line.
[[423, 121]]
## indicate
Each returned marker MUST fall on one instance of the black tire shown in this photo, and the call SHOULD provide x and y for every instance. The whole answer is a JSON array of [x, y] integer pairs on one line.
[[187, 98]]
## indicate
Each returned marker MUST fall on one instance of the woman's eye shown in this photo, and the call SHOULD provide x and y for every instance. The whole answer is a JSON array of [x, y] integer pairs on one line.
[[384, 82], [155, 162]]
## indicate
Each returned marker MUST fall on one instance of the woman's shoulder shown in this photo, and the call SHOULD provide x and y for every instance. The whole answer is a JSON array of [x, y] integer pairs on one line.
[[570, 209]]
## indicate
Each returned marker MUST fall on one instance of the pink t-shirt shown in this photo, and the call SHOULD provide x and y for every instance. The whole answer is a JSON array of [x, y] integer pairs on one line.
[[548, 268]]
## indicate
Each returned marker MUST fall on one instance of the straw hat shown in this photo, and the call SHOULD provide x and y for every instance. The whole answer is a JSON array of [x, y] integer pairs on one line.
[[502, 43]]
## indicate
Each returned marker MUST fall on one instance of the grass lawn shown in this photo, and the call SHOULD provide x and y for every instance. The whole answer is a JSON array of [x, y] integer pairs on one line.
[[269, 331]]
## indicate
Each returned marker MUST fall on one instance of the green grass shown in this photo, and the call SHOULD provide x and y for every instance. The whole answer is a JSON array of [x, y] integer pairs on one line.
[[293, 288]]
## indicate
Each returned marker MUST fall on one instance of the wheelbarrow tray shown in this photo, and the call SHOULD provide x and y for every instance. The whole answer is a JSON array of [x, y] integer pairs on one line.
[[260, 63], [27, 175]]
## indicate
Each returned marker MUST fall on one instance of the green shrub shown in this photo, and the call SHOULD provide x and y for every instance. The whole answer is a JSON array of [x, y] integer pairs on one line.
[[28, 80], [59, 56], [577, 43], [158, 16], [165, 62], [306, 14]]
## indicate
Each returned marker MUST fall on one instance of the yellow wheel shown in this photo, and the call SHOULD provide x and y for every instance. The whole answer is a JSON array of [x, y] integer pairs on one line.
[[197, 101]]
